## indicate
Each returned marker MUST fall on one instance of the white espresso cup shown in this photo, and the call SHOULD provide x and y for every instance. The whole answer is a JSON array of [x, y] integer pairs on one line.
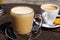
[[51, 12]]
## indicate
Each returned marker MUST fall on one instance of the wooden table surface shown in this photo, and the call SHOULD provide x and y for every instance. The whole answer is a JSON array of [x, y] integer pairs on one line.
[[46, 34]]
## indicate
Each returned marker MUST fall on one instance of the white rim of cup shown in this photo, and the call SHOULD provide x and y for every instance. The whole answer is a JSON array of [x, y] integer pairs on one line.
[[49, 4]]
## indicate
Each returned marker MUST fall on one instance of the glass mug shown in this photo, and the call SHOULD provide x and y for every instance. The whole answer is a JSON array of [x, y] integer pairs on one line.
[[23, 21]]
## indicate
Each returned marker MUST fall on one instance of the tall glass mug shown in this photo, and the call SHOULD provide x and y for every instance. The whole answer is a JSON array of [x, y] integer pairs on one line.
[[22, 19]]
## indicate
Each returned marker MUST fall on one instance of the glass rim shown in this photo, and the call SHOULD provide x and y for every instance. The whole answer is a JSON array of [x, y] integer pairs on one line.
[[22, 13], [49, 5]]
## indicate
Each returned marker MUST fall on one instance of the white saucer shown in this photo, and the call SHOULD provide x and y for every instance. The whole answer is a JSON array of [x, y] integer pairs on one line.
[[49, 26]]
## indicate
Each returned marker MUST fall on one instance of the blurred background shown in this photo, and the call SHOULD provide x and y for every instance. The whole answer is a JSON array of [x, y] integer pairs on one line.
[[38, 2]]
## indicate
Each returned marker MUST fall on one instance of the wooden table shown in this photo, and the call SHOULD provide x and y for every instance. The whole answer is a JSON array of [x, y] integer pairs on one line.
[[47, 34]]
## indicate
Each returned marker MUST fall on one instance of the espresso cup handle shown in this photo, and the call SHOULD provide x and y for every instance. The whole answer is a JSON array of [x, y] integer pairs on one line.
[[44, 15]]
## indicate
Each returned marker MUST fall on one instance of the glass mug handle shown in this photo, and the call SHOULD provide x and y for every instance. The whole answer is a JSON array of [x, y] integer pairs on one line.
[[37, 22], [36, 30]]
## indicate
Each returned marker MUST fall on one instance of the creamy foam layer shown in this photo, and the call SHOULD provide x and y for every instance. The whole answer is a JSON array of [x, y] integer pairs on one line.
[[21, 10], [49, 7]]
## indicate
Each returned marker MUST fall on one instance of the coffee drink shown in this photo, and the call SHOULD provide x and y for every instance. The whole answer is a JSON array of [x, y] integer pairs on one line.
[[50, 12], [22, 19], [49, 7]]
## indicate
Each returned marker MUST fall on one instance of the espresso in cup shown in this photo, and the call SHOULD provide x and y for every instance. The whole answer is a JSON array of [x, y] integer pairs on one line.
[[22, 17], [50, 12], [49, 7]]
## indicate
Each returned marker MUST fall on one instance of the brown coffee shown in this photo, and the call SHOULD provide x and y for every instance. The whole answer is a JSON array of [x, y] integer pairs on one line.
[[22, 19], [49, 7]]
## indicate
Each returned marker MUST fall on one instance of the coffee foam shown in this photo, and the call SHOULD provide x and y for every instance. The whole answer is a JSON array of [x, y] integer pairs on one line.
[[21, 10], [46, 5]]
